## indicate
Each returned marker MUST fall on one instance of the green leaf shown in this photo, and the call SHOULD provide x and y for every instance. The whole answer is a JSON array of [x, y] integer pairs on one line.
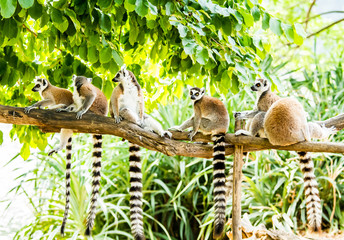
[[26, 3], [10, 28], [105, 55], [183, 30], [108, 88], [25, 151], [36, 10], [288, 31], [141, 7], [202, 55], [247, 18], [275, 26], [117, 58], [104, 4], [3, 66], [170, 8], [92, 54], [83, 51], [266, 21], [299, 30], [105, 23], [1, 137], [255, 13], [226, 26], [59, 21], [8, 7]]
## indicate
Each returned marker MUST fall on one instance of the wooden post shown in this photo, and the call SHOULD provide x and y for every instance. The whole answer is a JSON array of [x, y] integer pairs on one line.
[[237, 175]]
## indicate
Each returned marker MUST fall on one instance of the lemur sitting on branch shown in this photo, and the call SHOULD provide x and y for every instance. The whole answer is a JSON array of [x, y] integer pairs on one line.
[[284, 122], [211, 118], [127, 102]]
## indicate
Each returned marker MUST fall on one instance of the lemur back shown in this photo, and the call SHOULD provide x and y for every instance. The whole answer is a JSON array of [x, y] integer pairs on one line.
[[284, 122], [211, 117], [127, 103], [87, 97]]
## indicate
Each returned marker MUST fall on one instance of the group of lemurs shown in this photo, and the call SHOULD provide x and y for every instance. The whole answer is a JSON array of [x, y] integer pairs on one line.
[[282, 120]]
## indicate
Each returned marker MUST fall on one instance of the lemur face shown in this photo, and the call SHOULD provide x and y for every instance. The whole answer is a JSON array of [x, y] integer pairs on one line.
[[260, 85], [41, 84], [196, 93], [80, 80], [121, 75]]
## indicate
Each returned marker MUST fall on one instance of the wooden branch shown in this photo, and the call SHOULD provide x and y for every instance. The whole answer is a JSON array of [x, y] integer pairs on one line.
[[309, 13], [237, 175], [326, 27], [51, 121]]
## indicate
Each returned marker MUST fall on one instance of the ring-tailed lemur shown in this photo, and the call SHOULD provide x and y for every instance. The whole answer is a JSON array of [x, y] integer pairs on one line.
[[284, 123], [211, 118], [55, 98], [87, 97], [127, 102]]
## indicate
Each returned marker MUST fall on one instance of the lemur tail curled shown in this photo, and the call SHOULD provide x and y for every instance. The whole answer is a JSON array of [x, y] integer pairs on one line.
[[219, 182], [313, 205], [97, 156], [135, 192], [68, 172]]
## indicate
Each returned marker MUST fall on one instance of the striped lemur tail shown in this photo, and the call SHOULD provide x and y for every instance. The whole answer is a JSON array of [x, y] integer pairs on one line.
[[135, 192], [219, 183], [313, 205], [68, 172], [97, 156]]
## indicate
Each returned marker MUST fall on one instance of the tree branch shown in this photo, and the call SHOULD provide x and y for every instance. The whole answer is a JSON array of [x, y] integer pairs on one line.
[[308, 14], [51, 121], [326, 27]]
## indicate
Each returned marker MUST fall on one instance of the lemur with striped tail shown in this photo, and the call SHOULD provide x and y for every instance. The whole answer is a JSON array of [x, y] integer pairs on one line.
[[127, 102], [88, 98], [55, 98], [211, 118], [284, 122]]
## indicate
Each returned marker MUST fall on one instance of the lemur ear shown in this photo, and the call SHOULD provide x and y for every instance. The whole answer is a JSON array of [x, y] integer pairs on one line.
[[74, 77], [89, 79], [265, 83], [124, 67], [44, 82], [189, 87], [202, 90]]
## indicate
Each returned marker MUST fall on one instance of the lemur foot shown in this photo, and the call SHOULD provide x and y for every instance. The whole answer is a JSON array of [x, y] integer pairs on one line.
[[191, 135], [242, 132], [27, 109], [328, 131], [118, 119], [167, 134]]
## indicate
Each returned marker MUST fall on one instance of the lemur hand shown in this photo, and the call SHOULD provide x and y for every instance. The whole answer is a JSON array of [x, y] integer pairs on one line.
[[118, 119], [191, 135], [27, 109]]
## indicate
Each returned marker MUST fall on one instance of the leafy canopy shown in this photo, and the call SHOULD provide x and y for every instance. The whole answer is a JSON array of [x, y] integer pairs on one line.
[[167, 44]]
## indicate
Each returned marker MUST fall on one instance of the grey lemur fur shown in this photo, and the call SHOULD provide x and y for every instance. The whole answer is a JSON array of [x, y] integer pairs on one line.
[[127, 102], [284, 123], [211, 118]]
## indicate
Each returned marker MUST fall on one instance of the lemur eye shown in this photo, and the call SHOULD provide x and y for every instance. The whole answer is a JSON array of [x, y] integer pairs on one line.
[[197, 94], [258, 84]]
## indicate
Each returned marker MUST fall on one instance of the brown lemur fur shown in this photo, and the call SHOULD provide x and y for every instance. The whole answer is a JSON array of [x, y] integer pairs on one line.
[[284, 122], [211, 118], [89, 98], [55, 98]]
